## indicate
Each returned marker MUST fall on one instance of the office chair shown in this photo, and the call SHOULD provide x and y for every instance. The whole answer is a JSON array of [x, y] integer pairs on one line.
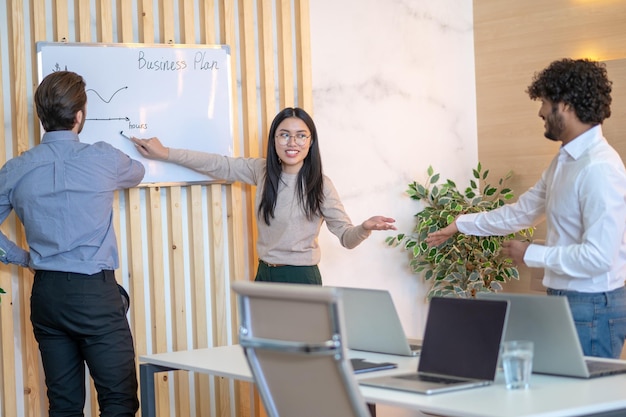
[[292, 336]]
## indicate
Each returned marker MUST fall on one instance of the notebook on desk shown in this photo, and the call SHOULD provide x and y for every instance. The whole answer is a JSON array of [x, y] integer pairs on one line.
[[547, 321], [360, 365], [373, 325], [460, 347]]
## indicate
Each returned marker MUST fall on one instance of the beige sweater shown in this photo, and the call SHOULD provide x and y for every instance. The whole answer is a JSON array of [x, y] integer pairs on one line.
[[290, 238]]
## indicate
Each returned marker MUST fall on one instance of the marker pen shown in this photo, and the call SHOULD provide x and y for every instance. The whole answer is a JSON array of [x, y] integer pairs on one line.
[[128, 137]]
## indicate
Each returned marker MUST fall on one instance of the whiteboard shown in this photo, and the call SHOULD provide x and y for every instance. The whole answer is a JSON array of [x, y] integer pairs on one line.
[[178, 93]]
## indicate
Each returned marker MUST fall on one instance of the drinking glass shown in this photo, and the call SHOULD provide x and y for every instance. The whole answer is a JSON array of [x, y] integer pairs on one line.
[[517, 361]]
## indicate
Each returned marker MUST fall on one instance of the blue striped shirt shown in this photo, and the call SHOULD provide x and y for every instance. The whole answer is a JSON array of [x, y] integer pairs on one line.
[[62, 191]]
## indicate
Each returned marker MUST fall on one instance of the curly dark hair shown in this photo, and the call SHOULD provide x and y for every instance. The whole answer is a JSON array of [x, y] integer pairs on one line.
[[581, 83]]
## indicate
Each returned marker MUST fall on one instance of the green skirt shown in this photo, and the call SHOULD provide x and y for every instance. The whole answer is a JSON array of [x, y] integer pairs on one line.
[[289, 274]]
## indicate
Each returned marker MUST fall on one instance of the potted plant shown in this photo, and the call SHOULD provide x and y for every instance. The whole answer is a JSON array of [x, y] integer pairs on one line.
[[463, 265]]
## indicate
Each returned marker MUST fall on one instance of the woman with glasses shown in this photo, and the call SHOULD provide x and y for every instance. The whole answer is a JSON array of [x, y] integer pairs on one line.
[[294, 196]]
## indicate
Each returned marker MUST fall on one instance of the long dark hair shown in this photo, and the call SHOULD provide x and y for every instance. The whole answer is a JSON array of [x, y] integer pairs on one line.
[[310, 182]]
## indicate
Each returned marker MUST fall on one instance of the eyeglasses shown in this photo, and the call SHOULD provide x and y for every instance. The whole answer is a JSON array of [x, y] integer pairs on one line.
[[300, 138]]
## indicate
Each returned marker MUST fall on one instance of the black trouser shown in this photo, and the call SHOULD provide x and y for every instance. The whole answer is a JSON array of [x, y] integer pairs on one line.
[[288, 274], [80, 319]]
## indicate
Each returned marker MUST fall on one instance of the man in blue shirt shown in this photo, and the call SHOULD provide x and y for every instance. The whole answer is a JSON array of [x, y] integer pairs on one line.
[[62, 191]]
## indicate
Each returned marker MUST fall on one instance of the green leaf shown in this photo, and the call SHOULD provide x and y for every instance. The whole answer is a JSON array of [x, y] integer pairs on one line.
[[421, 191], [430, 171], [495, 286], [459, 291], [513, 273], [455, 277], [463, 265]]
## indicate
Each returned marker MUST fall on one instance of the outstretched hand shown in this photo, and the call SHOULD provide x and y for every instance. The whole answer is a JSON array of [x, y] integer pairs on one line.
[[441, 235], [379, 223], [515, 249], [151, 148]]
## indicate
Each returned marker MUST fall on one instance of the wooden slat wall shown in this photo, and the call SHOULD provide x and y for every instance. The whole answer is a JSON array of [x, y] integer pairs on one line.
[[180, 246]]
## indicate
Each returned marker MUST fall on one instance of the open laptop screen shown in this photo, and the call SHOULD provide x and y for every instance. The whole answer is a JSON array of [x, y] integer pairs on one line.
[[462, 341]]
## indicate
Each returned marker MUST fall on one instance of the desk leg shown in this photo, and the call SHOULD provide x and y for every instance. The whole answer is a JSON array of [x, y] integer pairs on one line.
[[146, 379], [372, 408]]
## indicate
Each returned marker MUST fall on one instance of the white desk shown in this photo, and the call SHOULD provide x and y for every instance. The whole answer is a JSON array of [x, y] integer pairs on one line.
[[548, 396]]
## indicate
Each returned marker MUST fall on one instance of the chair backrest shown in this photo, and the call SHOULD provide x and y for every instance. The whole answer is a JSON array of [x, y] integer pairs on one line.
[[292, 335]]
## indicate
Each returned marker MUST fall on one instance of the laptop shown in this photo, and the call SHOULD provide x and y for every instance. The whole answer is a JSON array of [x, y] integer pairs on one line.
[[547, 321], [373, 325], [460, 347]]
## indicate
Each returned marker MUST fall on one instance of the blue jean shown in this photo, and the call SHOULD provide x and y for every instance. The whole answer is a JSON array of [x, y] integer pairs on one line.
[[81, 319], [600, 320]]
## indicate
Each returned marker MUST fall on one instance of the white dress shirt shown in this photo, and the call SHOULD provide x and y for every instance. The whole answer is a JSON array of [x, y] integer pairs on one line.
[[582, 197]]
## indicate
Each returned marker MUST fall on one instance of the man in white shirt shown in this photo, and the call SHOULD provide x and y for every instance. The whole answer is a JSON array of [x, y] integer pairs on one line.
[[582, 198]]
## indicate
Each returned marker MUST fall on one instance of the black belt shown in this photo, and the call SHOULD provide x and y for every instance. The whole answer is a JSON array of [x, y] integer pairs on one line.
[[269, 264]]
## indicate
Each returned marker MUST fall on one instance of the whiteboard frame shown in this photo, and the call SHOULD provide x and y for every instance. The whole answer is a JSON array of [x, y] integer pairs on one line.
[[41, 45]]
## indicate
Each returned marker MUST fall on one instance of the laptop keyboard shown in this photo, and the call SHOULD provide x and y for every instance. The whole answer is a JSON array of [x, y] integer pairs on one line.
[[429, 378]]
